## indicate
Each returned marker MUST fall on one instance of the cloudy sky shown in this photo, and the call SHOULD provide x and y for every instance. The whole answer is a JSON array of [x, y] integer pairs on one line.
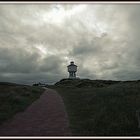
[[37, 41]]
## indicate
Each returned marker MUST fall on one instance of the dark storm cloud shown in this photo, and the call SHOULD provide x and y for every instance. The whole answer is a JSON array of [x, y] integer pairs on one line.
[[18, 60], [30, 78], [52, 64], [85, 48]]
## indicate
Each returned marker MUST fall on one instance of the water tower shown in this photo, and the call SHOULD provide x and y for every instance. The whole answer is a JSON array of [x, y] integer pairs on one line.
[[72, 69]]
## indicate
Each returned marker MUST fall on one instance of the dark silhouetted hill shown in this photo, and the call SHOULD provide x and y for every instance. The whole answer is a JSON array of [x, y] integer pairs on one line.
[[85, 83]]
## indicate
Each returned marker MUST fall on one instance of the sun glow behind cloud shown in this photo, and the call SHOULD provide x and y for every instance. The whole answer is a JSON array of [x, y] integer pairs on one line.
[[58, 13]]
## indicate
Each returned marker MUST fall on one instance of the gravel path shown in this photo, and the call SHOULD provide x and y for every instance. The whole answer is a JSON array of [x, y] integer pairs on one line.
[[45, 117]]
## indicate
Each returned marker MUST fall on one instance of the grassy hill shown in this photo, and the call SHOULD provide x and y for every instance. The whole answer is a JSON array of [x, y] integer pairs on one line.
[[100, 107], [15, 98]]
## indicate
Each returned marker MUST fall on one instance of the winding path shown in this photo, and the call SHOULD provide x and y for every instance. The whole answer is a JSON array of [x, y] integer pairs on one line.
[[45, 117]]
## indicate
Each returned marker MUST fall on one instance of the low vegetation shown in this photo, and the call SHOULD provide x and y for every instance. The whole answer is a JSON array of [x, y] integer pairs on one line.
[[16, 98], [101, 108]]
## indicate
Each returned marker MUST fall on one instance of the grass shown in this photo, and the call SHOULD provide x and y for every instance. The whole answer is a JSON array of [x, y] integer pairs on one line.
[[104, 111], [16, 98]]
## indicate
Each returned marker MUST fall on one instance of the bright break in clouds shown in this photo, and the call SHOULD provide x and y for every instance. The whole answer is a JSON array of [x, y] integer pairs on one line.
[[37, 41]]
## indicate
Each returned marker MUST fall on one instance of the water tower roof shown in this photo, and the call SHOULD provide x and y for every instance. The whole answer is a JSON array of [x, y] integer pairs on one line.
[[72, 64]]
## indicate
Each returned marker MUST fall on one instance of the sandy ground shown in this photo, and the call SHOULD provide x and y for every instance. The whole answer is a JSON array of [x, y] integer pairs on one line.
[[45, 117]]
